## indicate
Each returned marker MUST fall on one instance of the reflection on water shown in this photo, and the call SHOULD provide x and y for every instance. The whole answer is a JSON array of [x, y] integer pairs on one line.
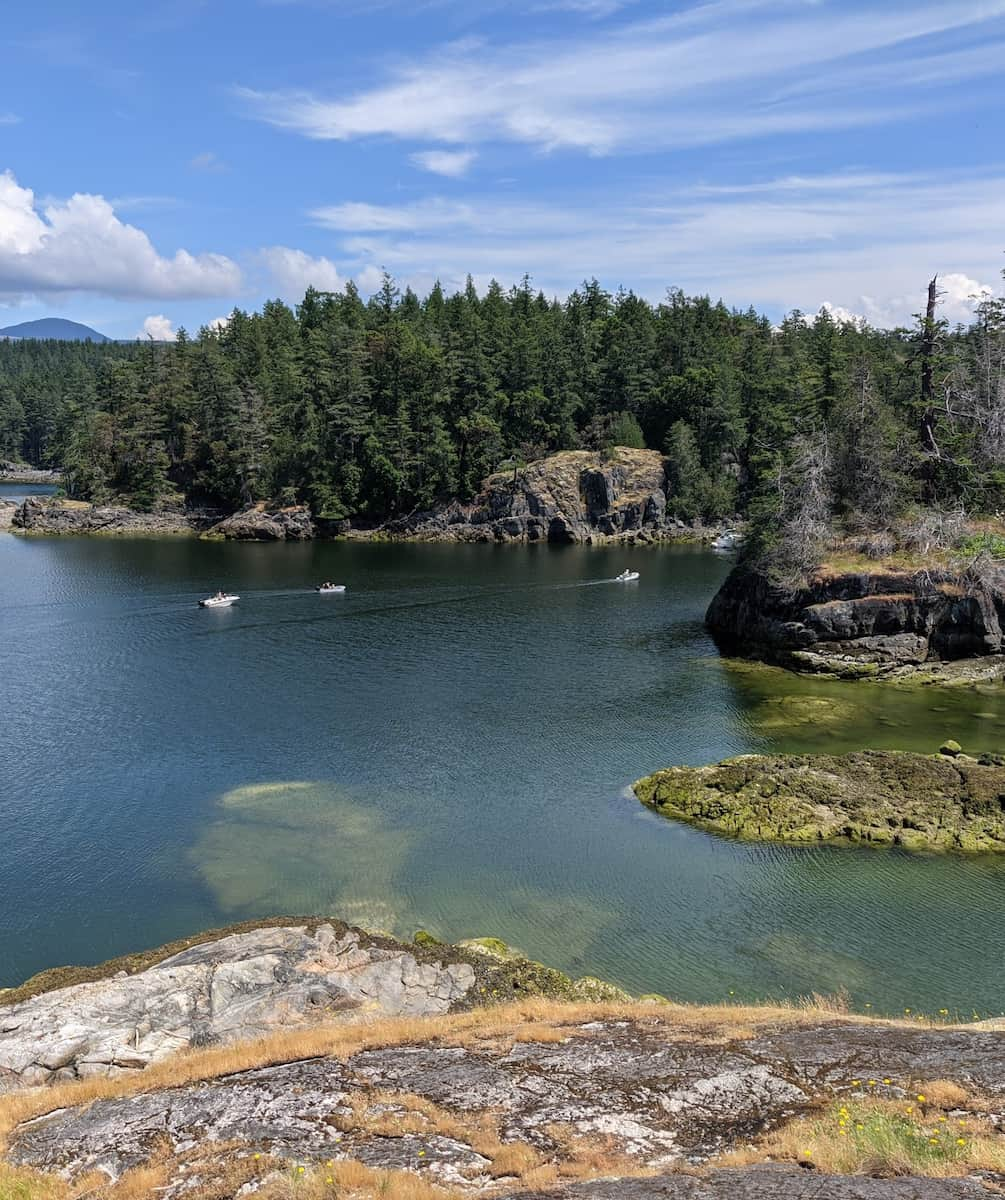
[[447, 746], [807, 714]]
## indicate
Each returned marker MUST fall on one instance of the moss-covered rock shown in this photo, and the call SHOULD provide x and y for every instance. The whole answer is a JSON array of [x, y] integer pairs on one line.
[[915, 801], [493, 947], [422, 937]]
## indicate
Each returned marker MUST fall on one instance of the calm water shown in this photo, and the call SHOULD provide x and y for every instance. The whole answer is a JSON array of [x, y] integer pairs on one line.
[[447, 746]]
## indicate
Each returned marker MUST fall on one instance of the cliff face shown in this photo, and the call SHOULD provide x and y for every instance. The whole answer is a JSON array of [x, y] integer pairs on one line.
[[574, 496], [860, 624]]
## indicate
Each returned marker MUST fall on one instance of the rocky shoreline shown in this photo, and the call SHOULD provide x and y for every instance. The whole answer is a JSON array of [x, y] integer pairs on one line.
[[21, 473], [576, 497], [244, 982], [337, 1058], [948, 801], [932, 625]]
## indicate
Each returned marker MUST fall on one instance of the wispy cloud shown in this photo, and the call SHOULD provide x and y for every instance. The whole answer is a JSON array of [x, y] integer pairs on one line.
[[210, 162], [864, 242], [721, 71], [452, 163], [9, 118]]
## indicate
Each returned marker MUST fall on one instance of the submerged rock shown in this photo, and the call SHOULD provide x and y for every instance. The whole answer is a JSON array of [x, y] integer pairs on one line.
[[870, 624], [886, 798]]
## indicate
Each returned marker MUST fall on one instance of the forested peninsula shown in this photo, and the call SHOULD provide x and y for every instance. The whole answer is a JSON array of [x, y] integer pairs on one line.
[[868, 464], [371, 409]]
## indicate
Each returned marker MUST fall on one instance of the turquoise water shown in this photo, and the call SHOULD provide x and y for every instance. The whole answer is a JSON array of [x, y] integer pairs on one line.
[[446, 746]]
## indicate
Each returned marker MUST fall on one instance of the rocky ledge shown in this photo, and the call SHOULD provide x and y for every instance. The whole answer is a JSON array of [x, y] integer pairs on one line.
[[11, 472], [574, 496], [55, 516], [947, 801], [126, 1014], [260, 524], [491, 1109], [870, 624]]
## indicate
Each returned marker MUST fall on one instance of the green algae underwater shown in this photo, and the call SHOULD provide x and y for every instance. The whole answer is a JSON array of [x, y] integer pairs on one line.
[[448, 746]]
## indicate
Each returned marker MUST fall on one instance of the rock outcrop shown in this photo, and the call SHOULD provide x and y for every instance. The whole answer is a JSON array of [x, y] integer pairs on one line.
[[7, 510], [76, 1023], [574, 496], [941, 802], [261, 524], [765, 1183], [51, 515], [645, 1093], [11, 472], [239, 987], [864, 624]]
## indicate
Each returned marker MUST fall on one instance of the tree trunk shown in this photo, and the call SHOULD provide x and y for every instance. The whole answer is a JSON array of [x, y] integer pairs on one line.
[[927, 372]]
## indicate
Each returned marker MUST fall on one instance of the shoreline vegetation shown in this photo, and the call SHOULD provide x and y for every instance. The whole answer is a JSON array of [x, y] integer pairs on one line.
[[585, 497]]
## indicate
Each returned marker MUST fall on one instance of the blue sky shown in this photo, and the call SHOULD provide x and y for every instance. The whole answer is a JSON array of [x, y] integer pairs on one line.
[[161, 164]]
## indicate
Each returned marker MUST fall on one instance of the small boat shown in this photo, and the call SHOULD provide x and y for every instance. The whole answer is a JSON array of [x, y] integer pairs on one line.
[[220, 600], [326, 589], [727, 540], [626, 577]]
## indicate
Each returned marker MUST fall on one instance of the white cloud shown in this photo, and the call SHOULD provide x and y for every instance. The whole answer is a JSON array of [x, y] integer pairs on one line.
[[715, 72], [218, 323], [158, 329], [294, 271], [80, 244], [843, 315], [959, 296], [452, 163], [210, 162], [9, 118], [863, 245], [369, 278]]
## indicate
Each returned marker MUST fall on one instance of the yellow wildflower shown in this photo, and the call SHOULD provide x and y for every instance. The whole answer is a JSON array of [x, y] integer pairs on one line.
[[921, 1099]]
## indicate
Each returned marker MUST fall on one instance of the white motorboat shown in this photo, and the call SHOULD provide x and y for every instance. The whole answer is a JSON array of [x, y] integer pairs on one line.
[[327, 589], [220, 600], [626, 577], [728, 540]]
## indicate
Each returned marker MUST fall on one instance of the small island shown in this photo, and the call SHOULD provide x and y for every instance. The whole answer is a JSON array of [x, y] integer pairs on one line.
[[942, 802]]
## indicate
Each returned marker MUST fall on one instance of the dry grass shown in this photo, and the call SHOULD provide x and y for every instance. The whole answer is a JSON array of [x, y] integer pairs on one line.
[[20, 1183], [869, 1135], [348, 1181], [535, 1018]]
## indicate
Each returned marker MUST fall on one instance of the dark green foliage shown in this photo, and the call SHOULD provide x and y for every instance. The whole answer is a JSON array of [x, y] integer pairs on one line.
[[370, 409]]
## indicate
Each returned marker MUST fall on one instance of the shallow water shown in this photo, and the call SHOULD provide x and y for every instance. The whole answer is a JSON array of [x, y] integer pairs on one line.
[[446, 746]]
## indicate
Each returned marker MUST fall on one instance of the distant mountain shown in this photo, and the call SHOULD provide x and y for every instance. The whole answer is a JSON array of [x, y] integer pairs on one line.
[[54, 327]]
